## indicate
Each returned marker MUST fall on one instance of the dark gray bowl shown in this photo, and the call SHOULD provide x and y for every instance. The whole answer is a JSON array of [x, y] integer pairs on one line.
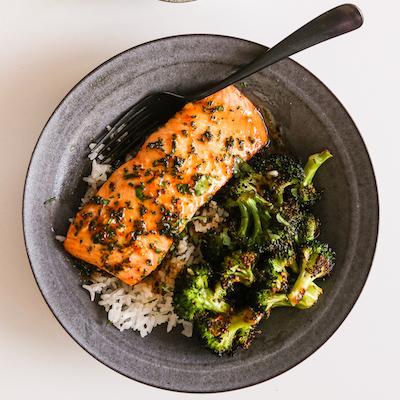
[[311, 118]]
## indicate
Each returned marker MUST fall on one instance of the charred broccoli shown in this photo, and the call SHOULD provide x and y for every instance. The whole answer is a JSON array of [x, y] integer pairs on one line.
[[310, 297], [193, 296], [267, 300], [306, 192], [282, 171], [238, 268], [223, 333], [308, 229], [254, 213], [317, 261], [214, 246], [266, 256]]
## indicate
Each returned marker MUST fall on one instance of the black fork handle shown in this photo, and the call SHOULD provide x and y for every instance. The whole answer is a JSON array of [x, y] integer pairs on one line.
[[335, 22]]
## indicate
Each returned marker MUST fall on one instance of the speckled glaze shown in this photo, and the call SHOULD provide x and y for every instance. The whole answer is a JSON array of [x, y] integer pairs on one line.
[[311, 118]]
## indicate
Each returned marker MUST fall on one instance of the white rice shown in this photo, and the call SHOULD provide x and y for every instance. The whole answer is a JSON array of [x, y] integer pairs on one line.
[[97, 177], [149, 303]]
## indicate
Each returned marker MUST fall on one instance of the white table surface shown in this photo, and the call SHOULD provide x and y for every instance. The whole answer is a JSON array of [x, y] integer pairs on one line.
[[48, 46]]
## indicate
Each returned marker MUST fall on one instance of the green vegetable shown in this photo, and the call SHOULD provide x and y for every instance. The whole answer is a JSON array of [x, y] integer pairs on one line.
[[223, 333], [202, 185], [184, 188], [238, 268], [193, 294], [317, 261], [49, 201]]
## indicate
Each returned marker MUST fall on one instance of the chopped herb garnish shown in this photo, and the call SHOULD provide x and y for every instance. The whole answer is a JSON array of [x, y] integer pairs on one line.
[[174, 144], [206, 136], [229, 142], [177, 164], [184, 132], [131, 176], [192, 149], [183, 188], [111, 185], [49, 201], [202, 185], [139, 192], [99, 200], [158, 144], [162, 161]]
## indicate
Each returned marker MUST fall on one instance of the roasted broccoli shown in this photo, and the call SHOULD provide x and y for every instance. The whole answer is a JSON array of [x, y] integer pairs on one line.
[[214, 246], [310, 296], [282, 171], [193, 296], [254, 213], [312, 165], [265, 256], [267, 300], [317, 260], [238, 268], [223, 333], [308, 229], [306, 192]]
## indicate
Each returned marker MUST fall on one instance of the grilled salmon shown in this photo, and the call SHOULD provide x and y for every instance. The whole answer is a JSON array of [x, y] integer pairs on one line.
[[129, 226]]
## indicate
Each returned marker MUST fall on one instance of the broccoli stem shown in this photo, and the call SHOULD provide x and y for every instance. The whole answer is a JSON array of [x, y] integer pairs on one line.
[[312, 165], [244, 220], [277, 300], [310, 297], [252, 205], [280, 191], [236, 325], [304, 280]]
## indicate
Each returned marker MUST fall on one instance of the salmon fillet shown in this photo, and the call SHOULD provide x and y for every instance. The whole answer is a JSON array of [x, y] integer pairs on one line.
[[129, 226]]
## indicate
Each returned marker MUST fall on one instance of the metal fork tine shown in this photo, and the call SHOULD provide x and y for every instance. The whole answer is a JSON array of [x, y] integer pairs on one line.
[[132, 139], [128, 127], [124, 119]]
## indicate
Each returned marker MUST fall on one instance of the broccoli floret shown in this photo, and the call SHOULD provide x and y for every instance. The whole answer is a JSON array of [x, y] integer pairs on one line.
[[254, 214], [193, 296], [310, 296], [238, 268], [317, 260], [281, 171], [214, 246], [305, 192], [273, 275], [308, 229], [267, 300], [223, 333]]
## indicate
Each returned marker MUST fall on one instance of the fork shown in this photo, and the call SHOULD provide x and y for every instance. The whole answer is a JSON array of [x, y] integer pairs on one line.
[[152, 111]]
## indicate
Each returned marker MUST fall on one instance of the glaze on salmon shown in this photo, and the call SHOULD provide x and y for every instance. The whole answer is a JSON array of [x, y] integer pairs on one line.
[[129, 226]]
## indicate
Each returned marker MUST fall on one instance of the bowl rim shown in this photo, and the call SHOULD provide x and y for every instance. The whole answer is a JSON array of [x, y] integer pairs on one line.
[[375, 231]]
